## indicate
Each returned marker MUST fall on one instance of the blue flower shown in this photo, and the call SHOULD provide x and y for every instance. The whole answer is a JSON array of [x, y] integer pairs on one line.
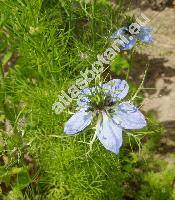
[[113, 115], [144, 35]]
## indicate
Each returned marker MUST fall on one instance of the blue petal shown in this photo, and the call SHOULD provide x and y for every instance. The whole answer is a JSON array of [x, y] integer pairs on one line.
[[145, 35], [78, 122], [122, 31], [119, 32], [83, 99], [109, 134], [116, 88], [86, 91], [130, 45], [129, 117]]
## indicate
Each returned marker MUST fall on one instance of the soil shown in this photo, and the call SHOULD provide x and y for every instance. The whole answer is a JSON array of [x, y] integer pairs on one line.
[[160, 60]]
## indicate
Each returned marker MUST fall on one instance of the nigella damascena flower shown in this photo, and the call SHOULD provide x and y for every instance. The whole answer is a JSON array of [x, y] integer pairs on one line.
[[144, 35], [113, 115]]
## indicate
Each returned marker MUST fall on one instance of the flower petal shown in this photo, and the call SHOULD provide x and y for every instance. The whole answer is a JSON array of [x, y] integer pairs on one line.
[[131, 43], [123, 31], [83, 99], [86, 91], [119, 32], [78, 122], [129, 117], [145, 34], [116, 88], [109, 134]]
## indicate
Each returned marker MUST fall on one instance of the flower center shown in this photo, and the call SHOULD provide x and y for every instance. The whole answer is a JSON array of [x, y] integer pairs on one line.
[[100, 101]]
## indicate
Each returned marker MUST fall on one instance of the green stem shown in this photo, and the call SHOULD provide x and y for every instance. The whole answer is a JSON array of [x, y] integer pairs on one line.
[[130, 63]]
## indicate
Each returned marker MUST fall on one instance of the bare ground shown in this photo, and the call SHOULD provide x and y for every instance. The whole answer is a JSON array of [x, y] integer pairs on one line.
[[160, 58]]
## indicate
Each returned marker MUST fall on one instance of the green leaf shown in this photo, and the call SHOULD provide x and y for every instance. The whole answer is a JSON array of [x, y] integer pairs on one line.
[[7, 57], [119, 64]]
